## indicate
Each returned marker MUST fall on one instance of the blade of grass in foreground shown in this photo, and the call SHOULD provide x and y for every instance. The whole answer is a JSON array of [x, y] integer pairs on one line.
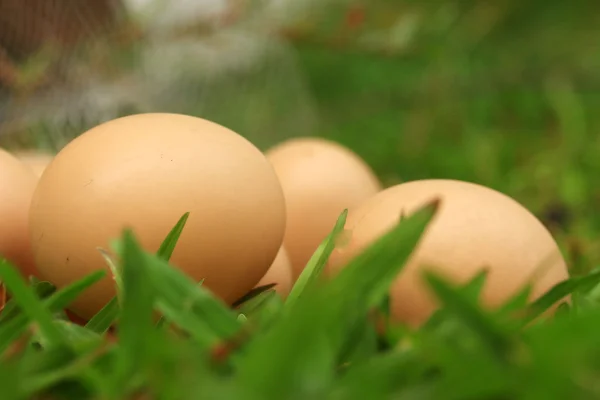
[[563, 309], [367, 278], [321, 321], [255, 303], [114, 269], [162, 322], [78, 337], [107, 316], [464, 308], [136, 325], [192, 307], [30, 304], [317, 262], [252, 294], [56, 302], [10, 382], [168, 245], [380, 377], [361, 345], [186, 303], [558, 292], [474, 287], [42, 290], [76, 333], [517, 303], [50, 369], [267, 309], [472, 290]]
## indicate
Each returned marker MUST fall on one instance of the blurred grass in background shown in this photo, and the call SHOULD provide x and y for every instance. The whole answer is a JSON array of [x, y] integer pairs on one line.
[[501, 93]]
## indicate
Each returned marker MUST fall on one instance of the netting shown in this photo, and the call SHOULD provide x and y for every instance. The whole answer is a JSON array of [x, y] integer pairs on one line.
[[66, 66]]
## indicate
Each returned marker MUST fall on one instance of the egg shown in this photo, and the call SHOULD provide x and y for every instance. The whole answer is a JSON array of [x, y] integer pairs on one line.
[[279, 273], [36, 160], [320, 179], [17, 184], [475, 228], [144, 172]]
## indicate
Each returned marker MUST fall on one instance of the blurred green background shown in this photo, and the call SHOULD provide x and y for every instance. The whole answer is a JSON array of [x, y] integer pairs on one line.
[[501, 93]]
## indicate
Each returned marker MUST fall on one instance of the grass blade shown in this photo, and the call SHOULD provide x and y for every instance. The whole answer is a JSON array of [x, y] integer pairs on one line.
[[47, 370], [379, 377], [29, 303], [65, 296], [559, 292], [563, 309], [467, 311], [77, 333], [362, 343], [189, 305], [296, 350], [168, 245], [162, 322], [257, 291], [60, 299], [11, 382], [317, 262], [321, 322], [475, 285], [12, 330], [517, 302], [136, 324], [105, 318], [42, 290], [369, 275], [268, 309], [251, 306], [114, 268]]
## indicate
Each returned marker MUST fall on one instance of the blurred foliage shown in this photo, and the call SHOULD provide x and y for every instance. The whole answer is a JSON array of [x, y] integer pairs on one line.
[[501, 93]]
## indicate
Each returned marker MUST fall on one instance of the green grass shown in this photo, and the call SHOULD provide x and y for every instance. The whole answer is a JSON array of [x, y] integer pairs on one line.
[[504, 95], [321, 343]]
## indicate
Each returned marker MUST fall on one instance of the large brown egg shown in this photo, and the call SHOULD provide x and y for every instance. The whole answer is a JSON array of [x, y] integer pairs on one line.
[[17, 184], [475, 228], [36, 160], [143, 172], [280, 273], [320, 179]]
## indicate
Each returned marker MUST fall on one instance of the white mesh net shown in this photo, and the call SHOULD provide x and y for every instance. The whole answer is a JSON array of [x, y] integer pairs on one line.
[[217, 59]]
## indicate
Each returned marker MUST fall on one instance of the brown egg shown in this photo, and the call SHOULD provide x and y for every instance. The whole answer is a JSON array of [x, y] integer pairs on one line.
[[475, 228], [17, 184], [144, 172], [36, 160], [320, 179], [279, 273]]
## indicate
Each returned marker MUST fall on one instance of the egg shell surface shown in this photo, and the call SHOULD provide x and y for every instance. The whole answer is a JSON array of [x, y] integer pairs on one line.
[[320, 179], [475, 228], [144, 172], [17, 184], [36, 160], [279, 273]]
